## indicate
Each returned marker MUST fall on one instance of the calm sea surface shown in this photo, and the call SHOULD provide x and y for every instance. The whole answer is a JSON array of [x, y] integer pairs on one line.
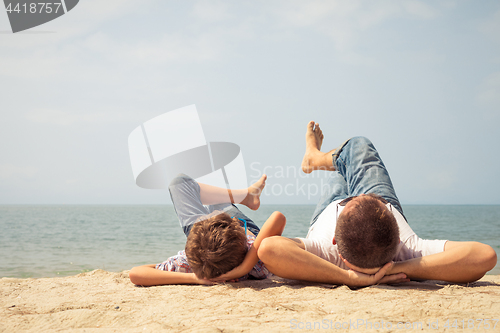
[[50, 240]]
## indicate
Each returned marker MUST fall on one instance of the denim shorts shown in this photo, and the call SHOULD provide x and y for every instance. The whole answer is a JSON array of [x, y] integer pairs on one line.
[[359, 170], [185, 194]]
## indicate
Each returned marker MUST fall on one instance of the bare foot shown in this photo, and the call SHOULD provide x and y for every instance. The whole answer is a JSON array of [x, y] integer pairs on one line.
[[252, 200], [314, 135], [314, 159]]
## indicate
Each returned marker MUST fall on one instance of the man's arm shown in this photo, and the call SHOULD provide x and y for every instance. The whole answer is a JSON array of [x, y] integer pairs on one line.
[[273, 226], [288, 258], [148, 275], [461, 262]]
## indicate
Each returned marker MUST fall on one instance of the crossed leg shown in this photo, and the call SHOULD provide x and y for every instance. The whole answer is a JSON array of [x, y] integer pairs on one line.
[[288, 258], [194, 201]]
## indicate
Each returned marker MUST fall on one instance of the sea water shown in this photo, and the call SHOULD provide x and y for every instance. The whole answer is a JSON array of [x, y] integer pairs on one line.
[[50, 240]]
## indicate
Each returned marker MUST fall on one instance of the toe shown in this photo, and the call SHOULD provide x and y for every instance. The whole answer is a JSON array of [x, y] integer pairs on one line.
[[318, 129]]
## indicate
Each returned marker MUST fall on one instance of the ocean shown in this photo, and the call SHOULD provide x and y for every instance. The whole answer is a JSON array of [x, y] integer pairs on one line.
[[60, 240]]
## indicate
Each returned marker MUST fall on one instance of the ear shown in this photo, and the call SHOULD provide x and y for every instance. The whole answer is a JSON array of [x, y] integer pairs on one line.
[[334, 241]]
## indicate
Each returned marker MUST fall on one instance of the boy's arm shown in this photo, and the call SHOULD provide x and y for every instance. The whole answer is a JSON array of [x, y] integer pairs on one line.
[[274, 226], [148, 275], [461, 262]]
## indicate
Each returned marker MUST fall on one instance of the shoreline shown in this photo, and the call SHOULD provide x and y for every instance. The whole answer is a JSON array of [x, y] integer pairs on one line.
[[109, 302]]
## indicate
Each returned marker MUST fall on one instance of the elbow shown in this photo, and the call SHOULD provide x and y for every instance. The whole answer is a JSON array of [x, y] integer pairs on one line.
[[135, 276], [485, 260], [489, 257]]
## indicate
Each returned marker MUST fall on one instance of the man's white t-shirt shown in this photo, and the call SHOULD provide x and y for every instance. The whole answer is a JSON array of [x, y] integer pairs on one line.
[[319, 239]]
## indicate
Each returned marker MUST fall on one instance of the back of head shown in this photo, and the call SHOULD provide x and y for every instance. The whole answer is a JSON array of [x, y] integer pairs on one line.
[[367, 235], [215, 246]]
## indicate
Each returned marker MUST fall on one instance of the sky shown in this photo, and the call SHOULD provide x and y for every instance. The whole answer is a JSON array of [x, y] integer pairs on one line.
[[420, 79]]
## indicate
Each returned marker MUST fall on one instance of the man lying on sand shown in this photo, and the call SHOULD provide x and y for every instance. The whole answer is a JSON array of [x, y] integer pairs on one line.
[[221, 241], [359, 235]]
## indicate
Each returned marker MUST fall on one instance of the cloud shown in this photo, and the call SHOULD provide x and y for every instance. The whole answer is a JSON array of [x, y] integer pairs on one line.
[[10, 172], [442, 179], [312, 12], [489, 95], [62, 118], [86, 17], [347, 22], [419, 9], [427, 57], [100, 60], [98, 10], [78, 45], [166, 49], [491, 27], [79, 41], [211, 11]]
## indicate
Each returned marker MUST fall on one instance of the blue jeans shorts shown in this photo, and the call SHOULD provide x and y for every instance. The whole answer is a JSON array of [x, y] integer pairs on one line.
[[359, 170], [185, 194]]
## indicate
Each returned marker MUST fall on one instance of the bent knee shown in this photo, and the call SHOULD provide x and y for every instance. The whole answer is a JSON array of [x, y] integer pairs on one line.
[[279, 215], [361, 141], [180, 179]]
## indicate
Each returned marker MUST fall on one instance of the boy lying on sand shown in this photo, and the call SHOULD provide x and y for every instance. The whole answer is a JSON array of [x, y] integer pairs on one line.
[[222, 243]]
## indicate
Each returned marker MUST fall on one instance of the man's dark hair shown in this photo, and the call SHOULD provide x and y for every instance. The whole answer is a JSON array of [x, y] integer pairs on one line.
[[215, 246], [367, 235]]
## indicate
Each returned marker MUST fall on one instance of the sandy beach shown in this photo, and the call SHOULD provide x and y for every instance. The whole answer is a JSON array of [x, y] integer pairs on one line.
[[109, 302]]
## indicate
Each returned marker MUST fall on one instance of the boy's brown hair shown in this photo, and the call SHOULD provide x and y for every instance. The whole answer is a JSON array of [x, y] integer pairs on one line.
[[368, 235], [215, 246]]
